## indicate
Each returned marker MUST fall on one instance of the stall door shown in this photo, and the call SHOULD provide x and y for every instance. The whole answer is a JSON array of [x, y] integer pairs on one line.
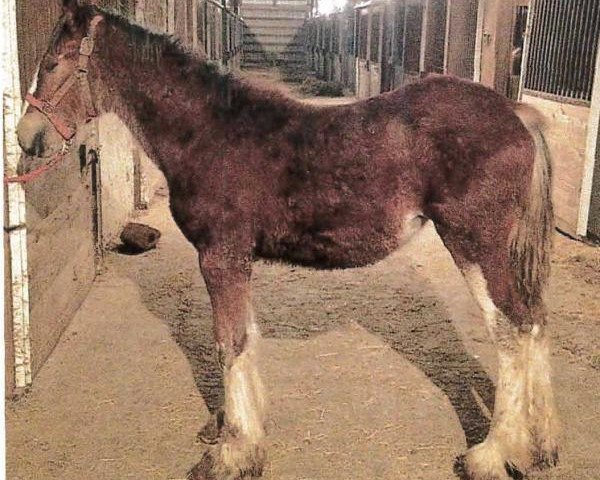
[[369, 46], [375, 50], [363, 83]]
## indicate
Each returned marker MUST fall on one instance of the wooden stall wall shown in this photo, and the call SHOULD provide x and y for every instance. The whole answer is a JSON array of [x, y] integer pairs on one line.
[[60, 239], [460, 37], [330, 47], [565, 121]]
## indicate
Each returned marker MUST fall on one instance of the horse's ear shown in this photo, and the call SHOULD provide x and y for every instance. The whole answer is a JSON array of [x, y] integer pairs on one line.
[[71, 14], [70, 6]]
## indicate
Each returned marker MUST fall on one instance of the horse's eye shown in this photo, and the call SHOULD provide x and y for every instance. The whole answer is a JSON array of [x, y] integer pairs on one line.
[[51, 65]]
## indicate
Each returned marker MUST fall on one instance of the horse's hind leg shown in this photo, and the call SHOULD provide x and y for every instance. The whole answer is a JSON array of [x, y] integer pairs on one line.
[[523, 431], [239, 453], [498, 224], [524, 426]]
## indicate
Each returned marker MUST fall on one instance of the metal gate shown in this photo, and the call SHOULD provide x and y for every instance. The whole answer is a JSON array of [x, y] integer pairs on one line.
[[562, 50]]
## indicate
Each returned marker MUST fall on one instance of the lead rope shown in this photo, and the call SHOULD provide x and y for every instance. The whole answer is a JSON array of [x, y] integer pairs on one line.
[[53, 162]]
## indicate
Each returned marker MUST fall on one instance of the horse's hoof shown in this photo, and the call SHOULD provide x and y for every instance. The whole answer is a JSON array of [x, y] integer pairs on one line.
[[203, 470], [211, 432], [485, 462], [545, 457], [210, 467]]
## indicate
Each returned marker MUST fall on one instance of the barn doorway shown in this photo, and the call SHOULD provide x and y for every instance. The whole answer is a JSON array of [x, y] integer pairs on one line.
[[520, 17], [370, 30]]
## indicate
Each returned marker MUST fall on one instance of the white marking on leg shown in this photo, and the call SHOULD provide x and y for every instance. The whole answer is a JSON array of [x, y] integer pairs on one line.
[[259, 394], [244, 408], [509, 436], [243, 393], [478, 286], [541, 408]]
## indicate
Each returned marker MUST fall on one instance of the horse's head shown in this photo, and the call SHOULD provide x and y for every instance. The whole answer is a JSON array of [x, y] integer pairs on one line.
[[62, 100]]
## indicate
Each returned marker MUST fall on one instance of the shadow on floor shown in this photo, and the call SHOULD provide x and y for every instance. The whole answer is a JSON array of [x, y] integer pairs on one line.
[[294, 303]]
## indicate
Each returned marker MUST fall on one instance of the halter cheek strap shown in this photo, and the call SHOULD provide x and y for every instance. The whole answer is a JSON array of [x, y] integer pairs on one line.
[[85, 51]]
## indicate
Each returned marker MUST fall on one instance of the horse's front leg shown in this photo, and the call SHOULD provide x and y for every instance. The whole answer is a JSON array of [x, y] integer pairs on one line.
[[239, 453]]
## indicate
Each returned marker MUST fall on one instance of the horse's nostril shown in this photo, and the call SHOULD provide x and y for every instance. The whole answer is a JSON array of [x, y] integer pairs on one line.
[[37, 145]]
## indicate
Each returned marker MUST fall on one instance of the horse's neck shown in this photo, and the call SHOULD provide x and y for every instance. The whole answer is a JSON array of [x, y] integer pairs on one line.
[[153, 98]]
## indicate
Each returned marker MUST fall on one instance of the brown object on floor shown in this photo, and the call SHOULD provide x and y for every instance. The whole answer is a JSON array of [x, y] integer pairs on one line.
[[138, 237]]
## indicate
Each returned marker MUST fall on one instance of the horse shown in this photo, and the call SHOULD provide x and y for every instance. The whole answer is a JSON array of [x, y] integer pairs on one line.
[[254, 174]]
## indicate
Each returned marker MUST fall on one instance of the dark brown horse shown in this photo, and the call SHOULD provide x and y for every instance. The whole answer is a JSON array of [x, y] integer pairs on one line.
[[253, 174]]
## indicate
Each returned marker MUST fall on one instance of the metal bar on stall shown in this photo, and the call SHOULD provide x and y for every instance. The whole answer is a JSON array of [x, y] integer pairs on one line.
[[224, 46], [566, 78], [590, 44]]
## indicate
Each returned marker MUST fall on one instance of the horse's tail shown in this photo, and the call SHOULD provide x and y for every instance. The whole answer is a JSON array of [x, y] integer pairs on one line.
[[531, 238]]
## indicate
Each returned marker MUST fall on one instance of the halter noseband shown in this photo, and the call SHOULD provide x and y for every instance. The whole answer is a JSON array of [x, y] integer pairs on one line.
[[48, 107]]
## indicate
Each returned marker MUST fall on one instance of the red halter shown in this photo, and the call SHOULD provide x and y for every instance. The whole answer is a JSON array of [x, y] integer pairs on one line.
[[48, 107]]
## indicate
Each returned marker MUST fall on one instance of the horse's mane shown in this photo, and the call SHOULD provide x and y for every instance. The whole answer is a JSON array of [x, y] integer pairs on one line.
[[147, 45], [231, 92]]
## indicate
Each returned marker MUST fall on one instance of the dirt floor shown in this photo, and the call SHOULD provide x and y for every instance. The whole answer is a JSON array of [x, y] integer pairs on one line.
[[383, 372]]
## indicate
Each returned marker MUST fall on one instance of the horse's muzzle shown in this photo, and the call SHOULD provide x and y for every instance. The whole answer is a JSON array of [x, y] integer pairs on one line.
[[37, 137]]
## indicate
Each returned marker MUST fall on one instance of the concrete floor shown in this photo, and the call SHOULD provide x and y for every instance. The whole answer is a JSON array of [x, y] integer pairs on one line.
[[118, 398]]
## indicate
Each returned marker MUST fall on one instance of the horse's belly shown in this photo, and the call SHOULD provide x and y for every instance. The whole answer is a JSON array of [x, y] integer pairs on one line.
[[346, 246]]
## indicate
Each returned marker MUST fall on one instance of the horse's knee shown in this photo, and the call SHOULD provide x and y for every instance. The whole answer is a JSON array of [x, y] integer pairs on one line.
[[232, 335]]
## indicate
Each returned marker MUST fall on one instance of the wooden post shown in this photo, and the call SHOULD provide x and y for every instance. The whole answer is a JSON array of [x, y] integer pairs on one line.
[[447, 44], [479, 41], [194, 14], [424, 35], [224, 36], [592, 151], [15, 218], [171, 16], [526, 44]]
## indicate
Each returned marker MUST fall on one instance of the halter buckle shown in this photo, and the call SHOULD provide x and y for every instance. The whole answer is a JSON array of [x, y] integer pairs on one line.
[[87, 46], [46, 107]]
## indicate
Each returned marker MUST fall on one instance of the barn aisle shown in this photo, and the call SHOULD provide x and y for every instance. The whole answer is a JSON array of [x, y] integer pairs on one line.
[[355, 393]]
